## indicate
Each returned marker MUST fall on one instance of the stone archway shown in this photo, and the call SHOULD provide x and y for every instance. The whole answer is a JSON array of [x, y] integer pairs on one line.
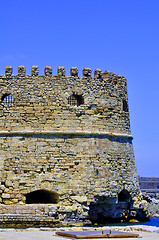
[[42, 196], [124, 196]]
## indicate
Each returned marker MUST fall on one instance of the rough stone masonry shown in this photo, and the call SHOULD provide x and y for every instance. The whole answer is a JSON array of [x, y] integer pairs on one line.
[[65, 143]]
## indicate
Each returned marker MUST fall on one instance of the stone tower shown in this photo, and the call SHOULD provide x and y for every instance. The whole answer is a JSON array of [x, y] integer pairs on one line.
[[66, 140]]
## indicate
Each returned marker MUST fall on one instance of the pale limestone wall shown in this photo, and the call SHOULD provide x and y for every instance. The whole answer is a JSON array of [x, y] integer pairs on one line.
[[46, 143], [66, 164]]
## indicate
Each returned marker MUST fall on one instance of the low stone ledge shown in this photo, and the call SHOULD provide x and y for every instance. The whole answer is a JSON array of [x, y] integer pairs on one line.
[[27, 220]]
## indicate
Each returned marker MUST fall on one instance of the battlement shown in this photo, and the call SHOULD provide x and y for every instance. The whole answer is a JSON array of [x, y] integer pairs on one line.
[[87, 72]]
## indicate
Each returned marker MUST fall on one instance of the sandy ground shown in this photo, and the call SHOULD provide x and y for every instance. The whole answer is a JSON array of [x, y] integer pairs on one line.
[[48, 235]]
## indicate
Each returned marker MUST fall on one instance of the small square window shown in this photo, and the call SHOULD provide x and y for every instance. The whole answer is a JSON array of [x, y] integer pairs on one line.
[[75, 100]]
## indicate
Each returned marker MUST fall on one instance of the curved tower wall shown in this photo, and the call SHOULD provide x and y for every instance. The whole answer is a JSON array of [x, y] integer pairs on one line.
[[66, 134]]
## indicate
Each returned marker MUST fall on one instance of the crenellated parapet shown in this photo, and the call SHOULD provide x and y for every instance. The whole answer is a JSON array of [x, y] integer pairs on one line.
[[87, 72], [77, 86], [74, 72]]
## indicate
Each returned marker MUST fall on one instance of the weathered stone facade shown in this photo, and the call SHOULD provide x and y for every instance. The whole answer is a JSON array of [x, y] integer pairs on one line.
[[69, 136]]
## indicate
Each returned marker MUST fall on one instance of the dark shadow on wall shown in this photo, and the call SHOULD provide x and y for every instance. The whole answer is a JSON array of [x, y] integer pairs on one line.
[[69, 136], [42, 196], [111, 209]]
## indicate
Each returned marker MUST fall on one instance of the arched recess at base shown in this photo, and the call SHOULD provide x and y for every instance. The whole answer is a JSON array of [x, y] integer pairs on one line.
[[124, 196], [42, 196]]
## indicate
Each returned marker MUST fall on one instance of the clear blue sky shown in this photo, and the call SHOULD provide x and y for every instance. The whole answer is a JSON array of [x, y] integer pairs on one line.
[[121, 36]]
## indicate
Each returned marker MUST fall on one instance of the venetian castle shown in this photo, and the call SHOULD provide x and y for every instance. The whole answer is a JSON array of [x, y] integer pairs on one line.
[[66, 146]]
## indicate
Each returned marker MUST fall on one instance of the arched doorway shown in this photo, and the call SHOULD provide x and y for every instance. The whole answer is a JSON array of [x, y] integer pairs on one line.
[[42, 196], [124, 196]]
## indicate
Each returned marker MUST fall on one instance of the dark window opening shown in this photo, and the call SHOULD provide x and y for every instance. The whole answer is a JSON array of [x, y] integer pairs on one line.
[[125, 106], [75, 100], [7, 99], [42, 196], [124, 196]]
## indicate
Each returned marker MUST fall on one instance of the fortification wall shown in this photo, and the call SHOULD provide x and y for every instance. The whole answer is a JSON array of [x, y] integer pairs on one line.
[[68, 135], [69, 165], [41, 103]]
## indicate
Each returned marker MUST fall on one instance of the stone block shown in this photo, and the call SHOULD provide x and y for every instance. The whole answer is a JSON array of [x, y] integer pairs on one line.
[[48, 71], [74, 71], [87, 72], [35, 71], [8, 183], [79, 199], [5, 195], [98, 73], [8, 71], [7, 202], [21, 71], [61, 72]]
